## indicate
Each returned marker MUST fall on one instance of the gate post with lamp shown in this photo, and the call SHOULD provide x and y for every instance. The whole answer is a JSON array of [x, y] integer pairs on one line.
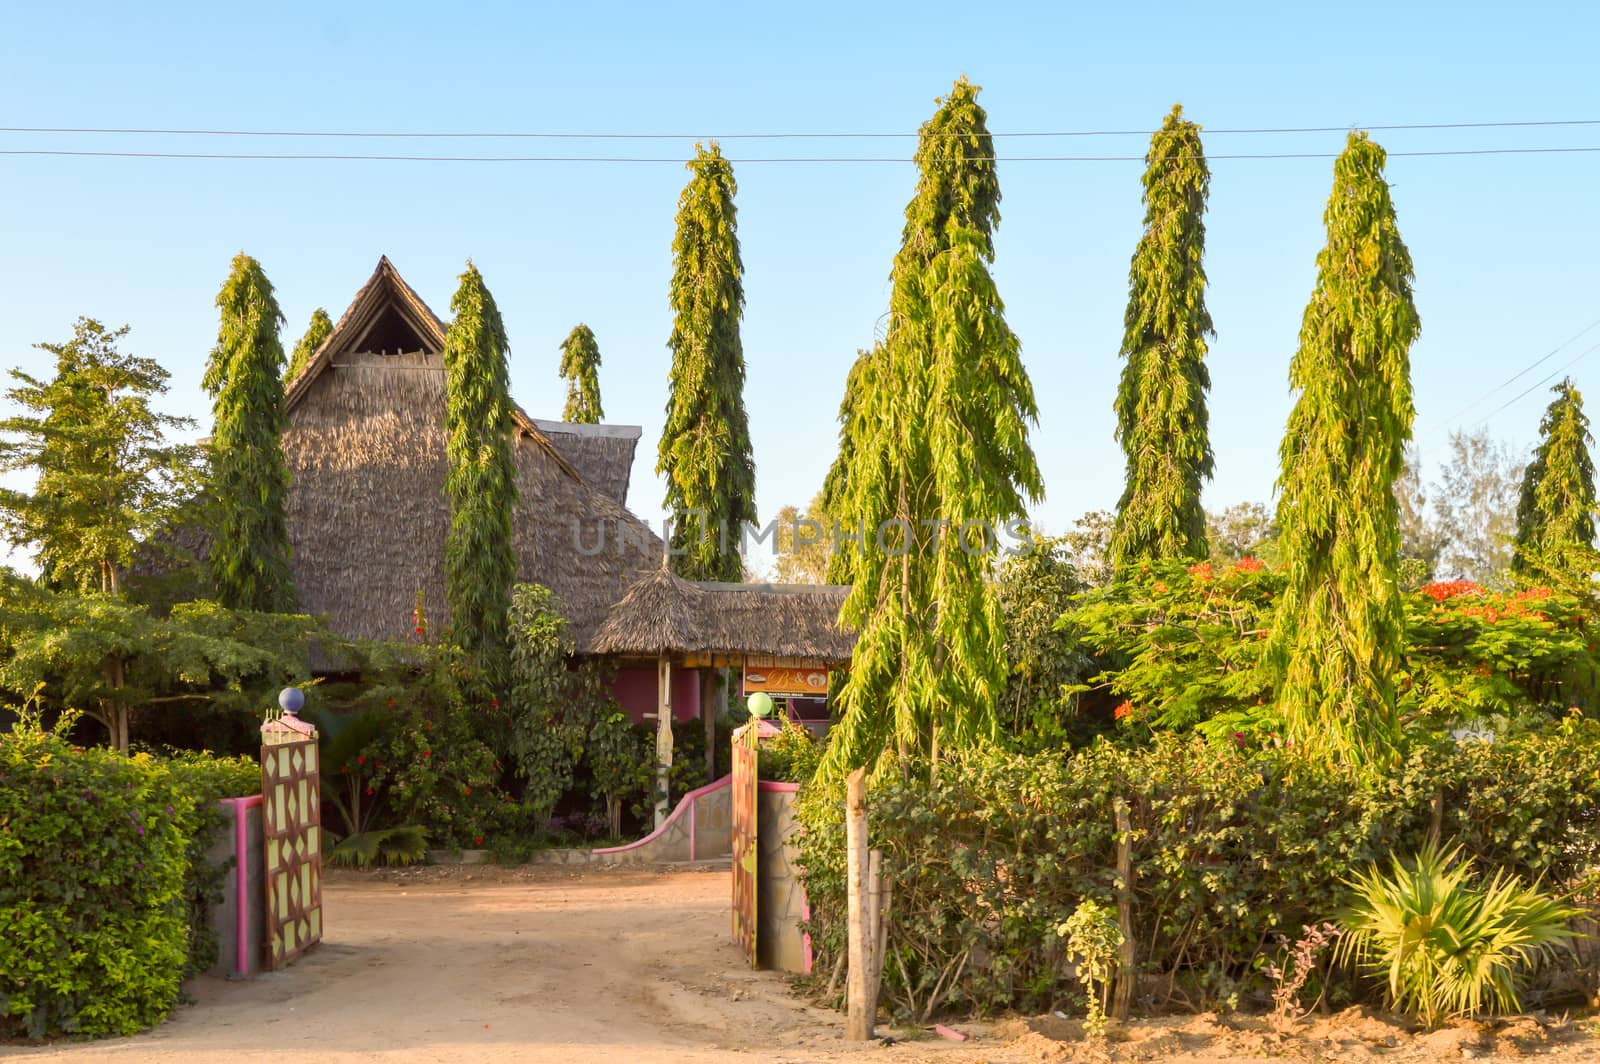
[[746, 817], [291, 787]]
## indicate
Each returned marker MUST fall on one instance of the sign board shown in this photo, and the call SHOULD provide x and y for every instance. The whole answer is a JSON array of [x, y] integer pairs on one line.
[[784, 676]]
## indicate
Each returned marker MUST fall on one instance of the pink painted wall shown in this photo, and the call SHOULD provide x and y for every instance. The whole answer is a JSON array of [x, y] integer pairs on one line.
[[635, 690]]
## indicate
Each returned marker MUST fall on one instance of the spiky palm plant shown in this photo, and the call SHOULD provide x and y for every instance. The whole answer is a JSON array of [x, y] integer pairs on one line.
[[1447, 945]]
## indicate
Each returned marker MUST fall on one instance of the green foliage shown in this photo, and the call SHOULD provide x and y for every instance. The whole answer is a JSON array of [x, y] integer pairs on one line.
[[1555, 515], [404, 845], [580, 367], [705, 444], [479, 561], [113, 658], [249, 558], [859, 384], [937, 444], [106, 475], [1161, 400], [1230, 847], [1034, 589], [619, 760], [1336, 645], [1243, 530], [791, 756], [1446, 945], [1093, 938], [317, 330], [1183, 645], [94, 852]]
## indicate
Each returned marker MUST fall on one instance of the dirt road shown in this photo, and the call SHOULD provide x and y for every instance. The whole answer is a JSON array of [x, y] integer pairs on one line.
[[548, 964], [533, 964]]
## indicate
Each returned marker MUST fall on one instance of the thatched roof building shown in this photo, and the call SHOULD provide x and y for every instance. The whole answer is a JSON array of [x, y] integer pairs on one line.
[[663, 614], [367, 511]]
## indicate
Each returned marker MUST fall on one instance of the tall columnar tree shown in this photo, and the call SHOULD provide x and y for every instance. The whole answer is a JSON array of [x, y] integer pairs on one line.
[[249, 477], [479, 562], [936, 435], [1335, 643], [858, 384], [1555, 514], [317, 331], [580, 367], [106, 476], [705, 444], [1161, 401]]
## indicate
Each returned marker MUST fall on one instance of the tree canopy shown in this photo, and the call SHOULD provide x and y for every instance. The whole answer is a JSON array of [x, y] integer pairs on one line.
[[938, 454], [1335, 644], [106, 475], [249, 558], [479, 562], [705, 451], [580, 368], [317, 330], [1555, 513], [1161, 400]]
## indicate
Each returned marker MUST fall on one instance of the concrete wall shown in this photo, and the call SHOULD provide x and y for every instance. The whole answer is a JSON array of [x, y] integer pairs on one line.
[[704, 815], [780, 897], [225, 914]]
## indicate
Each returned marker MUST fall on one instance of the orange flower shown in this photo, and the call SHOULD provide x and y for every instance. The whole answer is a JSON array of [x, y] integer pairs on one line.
[[1248, 564], [1200, 570], [1123, 712]]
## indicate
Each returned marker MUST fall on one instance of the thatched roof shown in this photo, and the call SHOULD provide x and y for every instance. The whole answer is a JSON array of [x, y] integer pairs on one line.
[[367, 511], [602, 454], [664, 614]]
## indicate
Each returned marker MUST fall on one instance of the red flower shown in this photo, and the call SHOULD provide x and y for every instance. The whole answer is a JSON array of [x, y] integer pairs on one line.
[[361, 759], [1201, 570], [478, 841], [419, 629], [427, 753], [1248, 564], [495, 702], [369, 790], [1123, 711], [344, 768], [1440, 590], [469, 790], [391, 703]]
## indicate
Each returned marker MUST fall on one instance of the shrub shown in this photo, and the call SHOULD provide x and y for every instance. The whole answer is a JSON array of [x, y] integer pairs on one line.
[[1231, 848], [207, 779], [1446, 946], [791, 756], [94, 848]]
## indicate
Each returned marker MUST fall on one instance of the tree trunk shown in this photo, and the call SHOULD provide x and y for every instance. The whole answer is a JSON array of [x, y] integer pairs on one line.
[[663, 737], [1122, 998], [858, 996]]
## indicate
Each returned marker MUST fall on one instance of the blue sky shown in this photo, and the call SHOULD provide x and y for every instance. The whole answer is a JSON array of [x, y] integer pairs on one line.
[[1504, 245]]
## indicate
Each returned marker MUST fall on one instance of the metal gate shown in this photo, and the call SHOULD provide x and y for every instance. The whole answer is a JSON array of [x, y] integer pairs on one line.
[[745, 796], [292, 823]]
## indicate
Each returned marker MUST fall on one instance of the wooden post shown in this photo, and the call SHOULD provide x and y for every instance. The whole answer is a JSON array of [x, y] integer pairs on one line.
[[875, 930], [858, 1021], [1122, 997], [663, 737]]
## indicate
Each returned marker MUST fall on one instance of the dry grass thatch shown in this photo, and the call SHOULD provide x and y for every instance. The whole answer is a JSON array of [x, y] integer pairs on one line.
[[367, 511], [663, 614], [602, 454]]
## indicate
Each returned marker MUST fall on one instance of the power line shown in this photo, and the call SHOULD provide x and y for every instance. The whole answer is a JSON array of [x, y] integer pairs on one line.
[[526, 135], [803, 159], [1540, 383], [1524, 371]]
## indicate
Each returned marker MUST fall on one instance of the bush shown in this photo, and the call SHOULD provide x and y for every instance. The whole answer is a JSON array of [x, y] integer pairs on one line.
[[1231, 848], [94, 851], [208, 779], [1445, 946]]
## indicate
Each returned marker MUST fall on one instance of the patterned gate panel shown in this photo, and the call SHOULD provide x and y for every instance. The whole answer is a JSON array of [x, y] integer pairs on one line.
[[290, 788], [745, 791]]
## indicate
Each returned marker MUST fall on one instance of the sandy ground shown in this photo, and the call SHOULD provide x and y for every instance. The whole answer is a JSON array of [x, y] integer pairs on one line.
[[486, 964], [609, 965]]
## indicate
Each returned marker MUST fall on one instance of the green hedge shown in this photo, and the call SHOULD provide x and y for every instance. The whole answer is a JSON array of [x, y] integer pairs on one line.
[[98, 882], [1230, 848]]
